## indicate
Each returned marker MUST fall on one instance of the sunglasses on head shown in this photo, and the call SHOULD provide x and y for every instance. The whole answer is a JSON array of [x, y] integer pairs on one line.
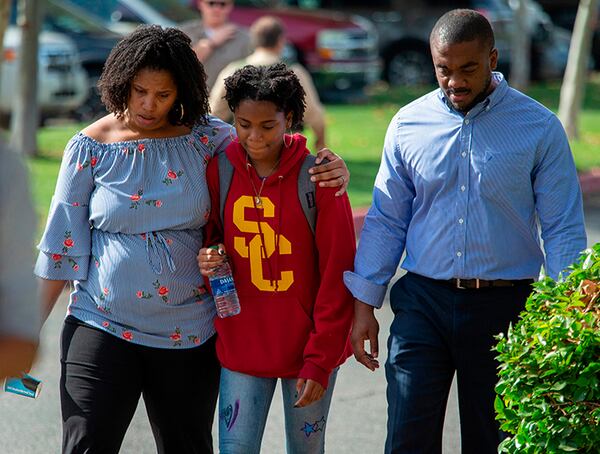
[[220, 4]]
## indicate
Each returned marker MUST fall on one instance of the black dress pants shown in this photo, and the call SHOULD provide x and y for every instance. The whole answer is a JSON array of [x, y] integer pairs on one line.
[[102, 378], [438, 331]]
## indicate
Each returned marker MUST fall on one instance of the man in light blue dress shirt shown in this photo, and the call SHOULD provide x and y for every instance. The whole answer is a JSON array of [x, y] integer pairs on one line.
[[470, 174]]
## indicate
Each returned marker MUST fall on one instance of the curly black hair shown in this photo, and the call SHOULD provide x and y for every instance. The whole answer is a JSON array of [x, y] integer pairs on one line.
[[276, 83], [157, 48]]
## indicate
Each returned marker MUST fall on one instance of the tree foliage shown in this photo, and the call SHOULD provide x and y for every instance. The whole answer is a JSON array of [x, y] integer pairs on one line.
[[549, 388]]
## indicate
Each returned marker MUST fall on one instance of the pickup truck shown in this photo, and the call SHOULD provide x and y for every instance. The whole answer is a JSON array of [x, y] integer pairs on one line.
[[62, 81], [339, 50]]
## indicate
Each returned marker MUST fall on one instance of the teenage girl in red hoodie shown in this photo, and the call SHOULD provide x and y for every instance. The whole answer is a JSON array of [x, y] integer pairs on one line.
[[296, 313]]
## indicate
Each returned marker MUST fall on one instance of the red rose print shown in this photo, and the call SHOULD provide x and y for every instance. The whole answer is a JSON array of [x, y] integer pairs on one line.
[[139, 294], [197, 341], [127, 335], [204, 139], [69, 242], [75, 204], [105, 291], [169, 241], [143, 236], [172, 175], [76, 268], [175, 337], [162, 291], [79, 166], [56, 257], [158, 203], [135, 197], [74, 299], [125, 150], [141, 147], [105, 324], [93, 161]]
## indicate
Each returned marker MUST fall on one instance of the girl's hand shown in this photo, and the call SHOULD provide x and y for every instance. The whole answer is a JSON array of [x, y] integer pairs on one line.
[[309, 391], [209, 259], [333, 174]]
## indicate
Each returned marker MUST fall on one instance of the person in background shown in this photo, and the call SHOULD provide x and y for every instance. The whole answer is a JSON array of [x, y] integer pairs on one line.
[[470, 174], [217, 41], [268, 38], [19, 309], [296, 314], [125, 225]]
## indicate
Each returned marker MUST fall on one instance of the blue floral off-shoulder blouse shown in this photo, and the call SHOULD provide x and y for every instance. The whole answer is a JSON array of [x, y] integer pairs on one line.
[[125, 225]]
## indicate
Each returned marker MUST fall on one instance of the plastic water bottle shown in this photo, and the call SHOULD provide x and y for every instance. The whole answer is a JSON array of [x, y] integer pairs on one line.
[[223, 290]]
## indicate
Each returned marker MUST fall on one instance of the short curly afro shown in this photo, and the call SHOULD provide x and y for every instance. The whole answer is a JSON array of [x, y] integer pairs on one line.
[[276, 83], [157, 48]]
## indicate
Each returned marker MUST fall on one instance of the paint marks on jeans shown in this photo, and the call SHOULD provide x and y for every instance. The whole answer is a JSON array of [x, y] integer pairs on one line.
[[230, 414], [317, 426]]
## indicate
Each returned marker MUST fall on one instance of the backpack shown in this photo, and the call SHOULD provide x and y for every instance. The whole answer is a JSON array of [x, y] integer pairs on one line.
[[306, 188]]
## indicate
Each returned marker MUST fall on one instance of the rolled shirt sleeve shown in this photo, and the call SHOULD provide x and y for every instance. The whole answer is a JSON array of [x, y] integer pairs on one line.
[[383, 238], [65, 247]]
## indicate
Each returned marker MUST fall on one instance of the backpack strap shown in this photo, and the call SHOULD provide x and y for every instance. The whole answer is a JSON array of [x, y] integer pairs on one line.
[[306, 191], [225, 176]]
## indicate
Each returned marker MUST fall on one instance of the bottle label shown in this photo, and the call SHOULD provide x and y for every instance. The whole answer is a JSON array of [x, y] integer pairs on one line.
[[222, 285]]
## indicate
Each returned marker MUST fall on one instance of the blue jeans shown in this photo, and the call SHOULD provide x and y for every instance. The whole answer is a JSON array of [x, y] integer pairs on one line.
[[244, 402], [437, 331]]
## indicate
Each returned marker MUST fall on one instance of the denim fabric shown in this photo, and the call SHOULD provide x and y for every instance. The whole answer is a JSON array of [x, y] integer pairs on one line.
[[244, 402], [436, 332]]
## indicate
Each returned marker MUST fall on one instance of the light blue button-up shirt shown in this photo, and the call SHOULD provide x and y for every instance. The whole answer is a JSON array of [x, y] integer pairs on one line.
[[466, 195]]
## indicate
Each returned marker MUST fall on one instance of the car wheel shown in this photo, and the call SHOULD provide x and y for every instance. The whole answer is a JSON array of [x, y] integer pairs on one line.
[[409, 67]]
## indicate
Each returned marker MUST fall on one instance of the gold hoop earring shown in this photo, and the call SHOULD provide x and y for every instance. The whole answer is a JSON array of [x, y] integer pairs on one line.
[[232, 137], [182, 111], [291, 140]]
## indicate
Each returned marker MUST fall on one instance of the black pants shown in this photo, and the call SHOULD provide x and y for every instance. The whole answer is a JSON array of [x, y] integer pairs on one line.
[[102, 378], [436, 332]]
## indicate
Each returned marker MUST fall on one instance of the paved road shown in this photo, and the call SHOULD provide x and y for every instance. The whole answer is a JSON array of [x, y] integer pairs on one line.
[[356, 424]]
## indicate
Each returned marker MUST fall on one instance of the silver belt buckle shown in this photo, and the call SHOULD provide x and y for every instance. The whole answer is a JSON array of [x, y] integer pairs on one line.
[[458, 284]]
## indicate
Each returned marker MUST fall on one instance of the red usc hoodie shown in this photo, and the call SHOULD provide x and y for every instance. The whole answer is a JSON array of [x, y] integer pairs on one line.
[[296, 312]]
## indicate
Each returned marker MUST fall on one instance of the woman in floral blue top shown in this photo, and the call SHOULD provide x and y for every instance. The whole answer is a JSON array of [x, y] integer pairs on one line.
[[125, 225]]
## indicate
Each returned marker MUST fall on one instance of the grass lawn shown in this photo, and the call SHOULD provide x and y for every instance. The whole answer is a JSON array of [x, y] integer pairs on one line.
[[354, 131]]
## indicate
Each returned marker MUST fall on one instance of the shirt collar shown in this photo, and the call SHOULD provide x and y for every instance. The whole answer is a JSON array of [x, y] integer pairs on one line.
[[501, 87]]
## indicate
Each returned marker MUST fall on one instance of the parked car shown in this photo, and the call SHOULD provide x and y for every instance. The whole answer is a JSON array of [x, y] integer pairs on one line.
[[340, 51], [93, 40], [404, 27], [563, 14], [62, 81]]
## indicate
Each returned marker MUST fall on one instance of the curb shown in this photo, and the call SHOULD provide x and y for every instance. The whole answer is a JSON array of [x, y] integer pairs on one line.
[[589, 182]]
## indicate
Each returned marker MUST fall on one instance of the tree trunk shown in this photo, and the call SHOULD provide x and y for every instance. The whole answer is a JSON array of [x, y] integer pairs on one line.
[[520, 61], [25, 113], [573, 85], [4, 15]]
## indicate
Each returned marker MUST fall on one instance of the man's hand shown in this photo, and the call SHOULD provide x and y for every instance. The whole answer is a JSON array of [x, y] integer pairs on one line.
[[365, 328], [309, 391], [16, 356], [333, 174]]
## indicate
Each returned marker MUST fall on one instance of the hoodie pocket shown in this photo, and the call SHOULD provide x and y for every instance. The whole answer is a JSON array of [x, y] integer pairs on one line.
[[267, 338]]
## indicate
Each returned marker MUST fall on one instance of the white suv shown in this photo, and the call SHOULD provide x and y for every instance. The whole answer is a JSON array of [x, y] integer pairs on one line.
[[62, 81]]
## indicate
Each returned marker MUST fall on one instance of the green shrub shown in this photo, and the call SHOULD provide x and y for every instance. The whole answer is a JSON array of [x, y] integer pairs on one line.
[[549, 389]]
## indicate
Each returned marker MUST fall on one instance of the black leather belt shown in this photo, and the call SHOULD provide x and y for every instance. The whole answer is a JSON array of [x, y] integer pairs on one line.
[[483, 283]]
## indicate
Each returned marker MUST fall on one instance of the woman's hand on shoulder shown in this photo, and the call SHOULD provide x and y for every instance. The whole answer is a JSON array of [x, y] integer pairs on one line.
[[333, 174], [209, 259]]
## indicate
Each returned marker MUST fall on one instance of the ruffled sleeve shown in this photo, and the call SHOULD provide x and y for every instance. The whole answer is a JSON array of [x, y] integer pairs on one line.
[[65, 247]]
